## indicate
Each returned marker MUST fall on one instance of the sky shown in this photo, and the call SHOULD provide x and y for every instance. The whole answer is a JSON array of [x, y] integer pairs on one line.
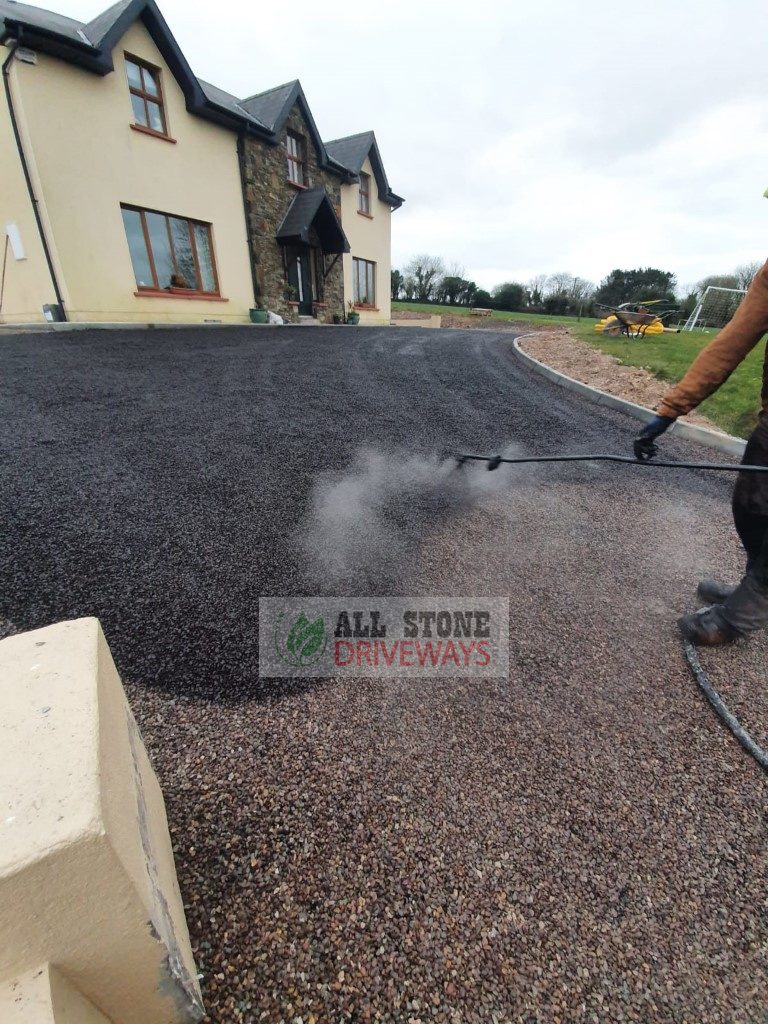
[[532, 137]]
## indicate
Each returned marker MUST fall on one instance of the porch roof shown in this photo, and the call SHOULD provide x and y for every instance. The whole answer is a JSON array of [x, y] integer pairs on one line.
[[312, 208]]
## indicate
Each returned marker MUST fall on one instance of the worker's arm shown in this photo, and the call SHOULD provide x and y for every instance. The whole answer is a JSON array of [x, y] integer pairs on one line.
[[715, 363]]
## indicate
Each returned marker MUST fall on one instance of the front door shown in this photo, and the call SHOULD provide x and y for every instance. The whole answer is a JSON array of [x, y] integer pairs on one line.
[[300, 278]]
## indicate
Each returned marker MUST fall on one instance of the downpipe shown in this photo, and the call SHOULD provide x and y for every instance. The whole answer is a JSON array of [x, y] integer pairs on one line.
[[13, 45]]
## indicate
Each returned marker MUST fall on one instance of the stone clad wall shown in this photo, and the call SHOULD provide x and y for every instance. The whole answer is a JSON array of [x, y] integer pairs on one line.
[[269, 195]]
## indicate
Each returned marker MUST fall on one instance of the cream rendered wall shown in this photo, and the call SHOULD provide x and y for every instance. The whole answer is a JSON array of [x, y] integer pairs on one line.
[[87, 160], [369, 239], [27, 284]]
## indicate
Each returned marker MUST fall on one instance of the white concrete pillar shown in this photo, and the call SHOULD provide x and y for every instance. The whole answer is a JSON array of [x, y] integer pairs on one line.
[[87, 879]]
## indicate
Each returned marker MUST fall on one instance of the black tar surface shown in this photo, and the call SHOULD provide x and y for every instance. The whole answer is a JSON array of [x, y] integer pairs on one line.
[[164, 480]]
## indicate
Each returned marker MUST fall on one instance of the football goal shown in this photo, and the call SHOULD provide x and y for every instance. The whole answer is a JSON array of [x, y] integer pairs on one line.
[[715, 308]]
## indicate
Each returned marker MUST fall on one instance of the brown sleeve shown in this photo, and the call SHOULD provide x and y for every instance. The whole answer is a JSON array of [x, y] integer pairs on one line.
[[715, 363]]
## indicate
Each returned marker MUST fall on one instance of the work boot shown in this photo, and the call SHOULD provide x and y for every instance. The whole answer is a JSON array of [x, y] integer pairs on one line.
[[746, 610], [708, 628], [712, 592]]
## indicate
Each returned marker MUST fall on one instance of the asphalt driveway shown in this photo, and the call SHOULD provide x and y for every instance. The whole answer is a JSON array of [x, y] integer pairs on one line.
[[581, 842]]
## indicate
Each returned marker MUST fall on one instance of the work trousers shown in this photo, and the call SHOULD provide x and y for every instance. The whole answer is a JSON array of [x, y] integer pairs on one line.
[[747, 608]]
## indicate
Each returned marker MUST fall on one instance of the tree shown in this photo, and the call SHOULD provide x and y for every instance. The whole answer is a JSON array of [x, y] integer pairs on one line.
[[511, 295], [449, 289], [426, 271], [557, 293], [559, 284], [556, 304], [536, 289], [468, 293], [409, 288], [688, 303], [455, 269], [581, 291], [642, 284], [717, 281], [746, 273], [482, 298], [396, 284], [456, 291], [580, 295]]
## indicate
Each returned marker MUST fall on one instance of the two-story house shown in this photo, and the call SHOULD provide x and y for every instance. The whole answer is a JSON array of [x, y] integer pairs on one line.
[[120, 193], [130, 190], [366, 215]]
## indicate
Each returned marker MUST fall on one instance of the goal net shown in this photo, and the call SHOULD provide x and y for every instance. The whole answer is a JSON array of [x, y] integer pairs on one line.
[[715, 308]]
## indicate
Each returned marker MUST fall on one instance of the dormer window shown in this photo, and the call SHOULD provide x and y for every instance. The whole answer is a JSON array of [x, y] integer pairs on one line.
[[294, 146], [364, 195], [146, 96]]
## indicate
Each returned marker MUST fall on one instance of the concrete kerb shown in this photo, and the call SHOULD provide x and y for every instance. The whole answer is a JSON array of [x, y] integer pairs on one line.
[[725, 443]]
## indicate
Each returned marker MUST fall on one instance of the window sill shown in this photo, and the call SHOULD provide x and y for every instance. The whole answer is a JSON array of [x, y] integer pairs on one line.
[[294, 184], [364, 306], [177, 293], [360, 213], [153, 133]]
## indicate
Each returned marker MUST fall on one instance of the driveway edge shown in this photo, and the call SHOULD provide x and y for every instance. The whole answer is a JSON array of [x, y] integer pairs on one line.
[[725, 443]]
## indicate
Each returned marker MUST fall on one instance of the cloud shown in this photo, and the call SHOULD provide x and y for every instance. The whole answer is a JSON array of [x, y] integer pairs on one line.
[[528, 138]]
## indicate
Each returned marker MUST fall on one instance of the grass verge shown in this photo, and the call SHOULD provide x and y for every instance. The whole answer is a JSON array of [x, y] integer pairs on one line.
[[734, 407], [496, 314]]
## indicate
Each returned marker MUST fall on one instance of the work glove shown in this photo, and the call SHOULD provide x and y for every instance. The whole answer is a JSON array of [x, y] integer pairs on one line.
[[644, 447]]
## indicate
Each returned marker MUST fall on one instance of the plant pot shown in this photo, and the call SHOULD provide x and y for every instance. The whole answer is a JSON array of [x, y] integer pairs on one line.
[[258, 316], [338, 318], [353, 318]]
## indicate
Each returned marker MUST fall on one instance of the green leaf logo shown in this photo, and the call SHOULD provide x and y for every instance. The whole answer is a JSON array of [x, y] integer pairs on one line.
[[304, 643]]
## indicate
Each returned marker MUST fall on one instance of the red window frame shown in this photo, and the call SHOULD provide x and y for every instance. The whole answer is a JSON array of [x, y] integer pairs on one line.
[[369, 269], [364, 195], [294, 148], [156, 286], [146, 96]]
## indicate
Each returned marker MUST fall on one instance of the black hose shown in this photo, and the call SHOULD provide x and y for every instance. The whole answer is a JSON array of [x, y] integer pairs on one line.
[[495, 460], [723, 711], [721, 708]]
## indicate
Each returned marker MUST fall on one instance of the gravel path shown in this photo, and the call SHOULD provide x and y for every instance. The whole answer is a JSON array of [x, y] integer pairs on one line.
[[560, 349], [583, 842]]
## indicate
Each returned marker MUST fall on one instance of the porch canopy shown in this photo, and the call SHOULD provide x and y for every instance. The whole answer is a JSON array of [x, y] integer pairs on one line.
[[311, 208]]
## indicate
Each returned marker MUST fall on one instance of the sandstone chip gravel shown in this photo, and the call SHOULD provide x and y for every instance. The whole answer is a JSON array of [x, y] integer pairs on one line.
[[582, 841]]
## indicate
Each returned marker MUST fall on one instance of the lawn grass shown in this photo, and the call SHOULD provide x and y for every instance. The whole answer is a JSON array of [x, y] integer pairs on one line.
[[733, 407], [496, 314]]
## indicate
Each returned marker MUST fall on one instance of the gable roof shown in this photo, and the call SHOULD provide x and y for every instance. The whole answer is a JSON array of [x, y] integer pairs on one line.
[[98, 27], [312, 206], [352, 151], [90, 46], [273, 106], [36, 17], [225, 100]]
